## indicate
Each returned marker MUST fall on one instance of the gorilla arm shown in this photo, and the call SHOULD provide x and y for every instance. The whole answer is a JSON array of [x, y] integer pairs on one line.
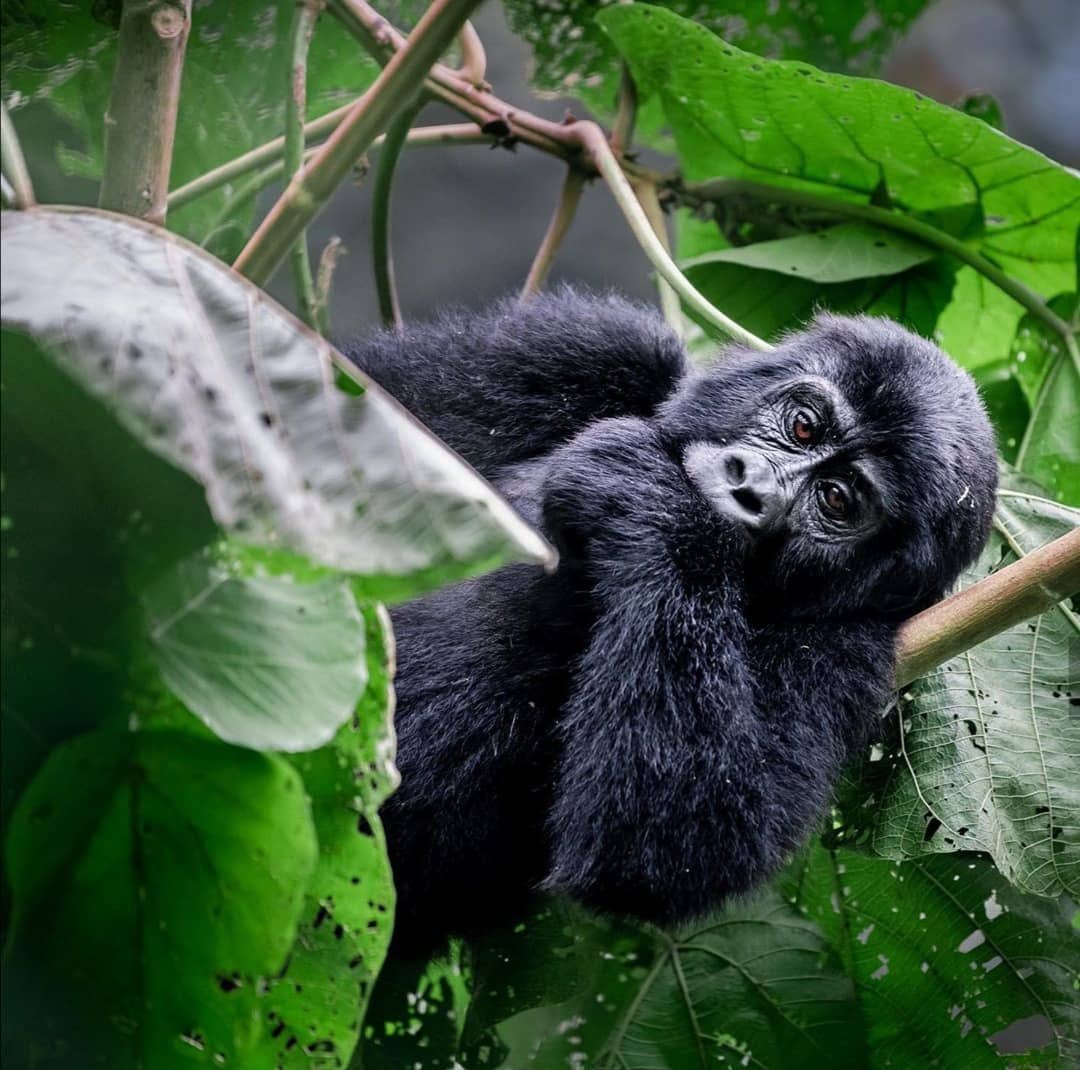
[[512, 382], [696, 752]]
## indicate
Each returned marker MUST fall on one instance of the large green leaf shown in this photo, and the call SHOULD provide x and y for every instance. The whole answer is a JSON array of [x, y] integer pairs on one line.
[[266, 662], [316, 1009], [952, 967], [213, 376], [571, 53], [988, 751], [157, 881], [792, 128]]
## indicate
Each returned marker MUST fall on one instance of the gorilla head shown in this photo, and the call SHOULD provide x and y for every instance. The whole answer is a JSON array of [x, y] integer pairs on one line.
[[857, 457]]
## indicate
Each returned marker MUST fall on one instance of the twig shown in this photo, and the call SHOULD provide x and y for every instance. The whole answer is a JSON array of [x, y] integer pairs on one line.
[[473, 57], [718, 189], [381, 253], [13, 164], [272, 152], [622, 129], [309, 191], [563, 216], [328, 262], [1025, 588], [669, 299], [591, 137], [140, 123], [305, 15]]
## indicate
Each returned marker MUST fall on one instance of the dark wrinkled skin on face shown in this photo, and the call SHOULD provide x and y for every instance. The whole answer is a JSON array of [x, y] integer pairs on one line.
[[658, 724]]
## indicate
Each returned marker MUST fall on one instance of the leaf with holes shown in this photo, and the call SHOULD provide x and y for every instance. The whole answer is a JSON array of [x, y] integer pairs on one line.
[[988, 745], [952, 967], [314, 1010], [210, 374], [157, 882]]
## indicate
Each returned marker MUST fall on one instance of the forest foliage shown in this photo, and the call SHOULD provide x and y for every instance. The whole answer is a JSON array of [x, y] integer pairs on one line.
[[205, 508]]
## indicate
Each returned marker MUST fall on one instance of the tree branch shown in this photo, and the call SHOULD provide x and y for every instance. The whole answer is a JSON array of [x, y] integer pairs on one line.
[[473, 57], [622, 129], [395, 87], [669, 299], [563, 216], [381, 253], [592, 139], [13, 163], [1030, 586], [140, 123], [305, 15]]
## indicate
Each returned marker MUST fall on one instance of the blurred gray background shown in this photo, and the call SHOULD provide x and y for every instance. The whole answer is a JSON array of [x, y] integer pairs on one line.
[[467, 220]]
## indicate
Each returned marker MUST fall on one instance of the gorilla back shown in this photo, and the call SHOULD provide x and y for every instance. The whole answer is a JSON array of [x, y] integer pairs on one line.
[[657, 725]]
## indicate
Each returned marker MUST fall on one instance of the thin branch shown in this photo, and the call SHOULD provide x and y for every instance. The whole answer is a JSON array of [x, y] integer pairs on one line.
[[473, 57], [622, 129], [140, 123], [591, 137], [328, 262], [13, 164], [395, 87], [1030, 586], [305, 15], [381, 254], [563, 216], [273, 151], [669, 299], [718, 189]]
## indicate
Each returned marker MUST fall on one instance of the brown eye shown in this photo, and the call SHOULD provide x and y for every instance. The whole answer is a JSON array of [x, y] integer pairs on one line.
[[835, 498], [803, 428]]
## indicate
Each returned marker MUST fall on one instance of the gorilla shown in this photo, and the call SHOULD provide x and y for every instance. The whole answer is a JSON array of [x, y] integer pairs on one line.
[[659, 723]]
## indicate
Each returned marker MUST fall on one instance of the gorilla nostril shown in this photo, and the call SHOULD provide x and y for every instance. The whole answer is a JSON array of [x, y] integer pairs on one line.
[[748, 500], [735, 468]]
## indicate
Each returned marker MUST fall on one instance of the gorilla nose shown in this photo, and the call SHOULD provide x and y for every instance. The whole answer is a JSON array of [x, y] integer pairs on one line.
[[753, 494]]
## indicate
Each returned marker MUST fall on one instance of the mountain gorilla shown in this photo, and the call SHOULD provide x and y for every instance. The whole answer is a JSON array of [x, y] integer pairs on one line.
[[659, 723]]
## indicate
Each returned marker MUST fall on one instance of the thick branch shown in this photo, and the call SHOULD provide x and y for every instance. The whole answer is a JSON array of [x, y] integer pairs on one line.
[[563, 216], [395, 87], [140, 123], [1030, 586], [13, 163], [305, 15]]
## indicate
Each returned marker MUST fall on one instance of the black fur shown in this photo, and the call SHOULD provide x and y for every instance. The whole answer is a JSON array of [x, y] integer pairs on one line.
[[657, 725]]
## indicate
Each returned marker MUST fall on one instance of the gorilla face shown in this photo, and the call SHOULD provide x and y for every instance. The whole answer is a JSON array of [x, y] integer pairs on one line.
[[857, 458]]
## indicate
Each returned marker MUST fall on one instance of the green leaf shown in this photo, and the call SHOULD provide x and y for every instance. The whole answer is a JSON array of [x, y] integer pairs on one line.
[[315, 1010], [952, 967], [157, 882], [836, 254], [266, 662], [572, 54], [210, 374], [988, 751], [791, 129]]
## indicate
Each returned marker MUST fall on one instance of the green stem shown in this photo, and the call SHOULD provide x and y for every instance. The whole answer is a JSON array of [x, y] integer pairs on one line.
[[669, 299], [563, 216], [591, 137], [396, 86], [140, 121], [13, 163], [305, 15], [719, 188], [381, 253]]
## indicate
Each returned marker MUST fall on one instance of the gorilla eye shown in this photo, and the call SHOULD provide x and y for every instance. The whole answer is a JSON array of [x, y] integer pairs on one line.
[[835, 498], [804, 428]]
